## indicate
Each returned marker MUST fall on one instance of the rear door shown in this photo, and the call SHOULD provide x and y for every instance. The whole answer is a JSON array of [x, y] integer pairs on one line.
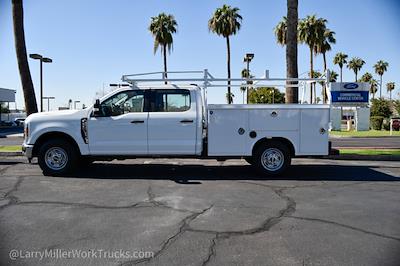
[[172, 122]]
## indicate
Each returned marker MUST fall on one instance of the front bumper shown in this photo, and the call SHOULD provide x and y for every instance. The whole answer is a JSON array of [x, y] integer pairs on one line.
[[27, 150]]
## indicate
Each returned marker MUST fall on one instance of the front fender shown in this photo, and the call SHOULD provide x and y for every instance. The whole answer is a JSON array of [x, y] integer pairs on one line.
[[72, 129]]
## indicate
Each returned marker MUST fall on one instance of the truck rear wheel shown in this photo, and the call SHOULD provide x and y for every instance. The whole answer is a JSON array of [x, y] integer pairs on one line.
[[57, 157], [272, 158]]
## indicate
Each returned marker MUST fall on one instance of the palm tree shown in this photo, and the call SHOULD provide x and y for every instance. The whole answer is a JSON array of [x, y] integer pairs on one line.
[[390, 86], [162, 27], [325, 44], [229, 97], [333, 76], [367, 77], [310, 31], [380, 68], [226, 22], [340, 59], [20, 48], [245, 74], [374, 87], [321, 48], [292, 93], [355, 64], [280, 31]]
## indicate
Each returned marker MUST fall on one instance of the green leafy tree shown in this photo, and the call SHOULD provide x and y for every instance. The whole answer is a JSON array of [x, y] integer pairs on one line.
[[380, 107], [355, 64], [390, 87], [311, 31], [226, 22], [162, 27], [340, 59], [380, 68], [266, 95], [22, 58]]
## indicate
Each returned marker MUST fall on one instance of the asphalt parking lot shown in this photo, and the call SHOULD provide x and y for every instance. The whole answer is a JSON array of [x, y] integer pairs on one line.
[[192, 212]]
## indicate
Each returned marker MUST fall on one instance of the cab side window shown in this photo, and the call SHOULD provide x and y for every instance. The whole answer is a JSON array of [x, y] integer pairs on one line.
[[171, 100], [122, 103]]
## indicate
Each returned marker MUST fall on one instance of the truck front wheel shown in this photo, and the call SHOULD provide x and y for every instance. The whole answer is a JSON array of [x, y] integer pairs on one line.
[[57, 157], [272, 158]]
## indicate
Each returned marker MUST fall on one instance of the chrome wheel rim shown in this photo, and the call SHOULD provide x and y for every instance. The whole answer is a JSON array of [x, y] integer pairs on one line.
[[272, 159], [56, 158]]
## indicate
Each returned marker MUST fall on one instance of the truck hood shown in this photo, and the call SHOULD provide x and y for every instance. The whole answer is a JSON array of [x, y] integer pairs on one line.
[[58, 115]]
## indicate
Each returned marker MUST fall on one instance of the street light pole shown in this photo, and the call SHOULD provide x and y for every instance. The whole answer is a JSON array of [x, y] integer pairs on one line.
[[42, 60]]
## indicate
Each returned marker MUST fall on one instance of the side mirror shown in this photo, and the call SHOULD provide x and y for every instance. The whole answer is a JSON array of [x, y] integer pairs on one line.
[[96, 108]]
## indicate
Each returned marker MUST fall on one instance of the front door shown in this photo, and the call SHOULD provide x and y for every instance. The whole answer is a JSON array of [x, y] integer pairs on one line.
[[121, 127], [172, 122]]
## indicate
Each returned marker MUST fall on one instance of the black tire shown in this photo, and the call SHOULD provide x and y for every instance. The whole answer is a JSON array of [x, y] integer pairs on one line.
[[85, 161], [280, 158], [62, 157]]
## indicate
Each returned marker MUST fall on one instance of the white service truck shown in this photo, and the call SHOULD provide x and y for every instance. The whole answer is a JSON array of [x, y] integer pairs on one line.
[[175, 121]]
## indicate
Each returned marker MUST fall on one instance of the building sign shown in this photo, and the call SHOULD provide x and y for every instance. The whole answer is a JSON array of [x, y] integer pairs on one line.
[[355, 93], [7, 95]]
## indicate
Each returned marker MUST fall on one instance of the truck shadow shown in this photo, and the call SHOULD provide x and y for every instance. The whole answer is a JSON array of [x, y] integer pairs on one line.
[[187, 172]]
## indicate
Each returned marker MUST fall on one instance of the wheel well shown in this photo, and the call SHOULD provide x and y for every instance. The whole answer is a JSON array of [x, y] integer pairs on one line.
[[53, 135], [284, 141]]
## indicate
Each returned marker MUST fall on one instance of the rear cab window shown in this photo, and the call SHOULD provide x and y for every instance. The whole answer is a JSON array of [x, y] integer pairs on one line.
[[177, 100]]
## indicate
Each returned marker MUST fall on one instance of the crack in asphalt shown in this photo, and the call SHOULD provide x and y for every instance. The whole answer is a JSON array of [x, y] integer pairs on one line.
[[344, 226], [184, 224], [265, 226], [211, 250], [9, 194], [14, 200]]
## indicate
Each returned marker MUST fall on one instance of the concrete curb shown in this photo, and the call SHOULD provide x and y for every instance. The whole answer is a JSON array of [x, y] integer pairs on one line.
[[11, 153], [357, 157], [362, 137]]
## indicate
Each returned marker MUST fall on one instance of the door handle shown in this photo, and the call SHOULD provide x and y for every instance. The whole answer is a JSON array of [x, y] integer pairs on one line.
[[137, 122], [186, 121]]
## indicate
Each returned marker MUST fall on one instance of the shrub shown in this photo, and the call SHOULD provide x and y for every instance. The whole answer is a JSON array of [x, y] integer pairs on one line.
[[264, 95], [376, 122], [380, 107], [386, 124]]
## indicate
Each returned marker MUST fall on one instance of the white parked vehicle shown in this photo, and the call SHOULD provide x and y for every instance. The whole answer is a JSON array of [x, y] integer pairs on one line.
[[175, 121]]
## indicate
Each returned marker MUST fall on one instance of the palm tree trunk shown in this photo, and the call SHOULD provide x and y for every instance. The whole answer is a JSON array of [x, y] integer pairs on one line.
[[380, 89], [325, 96], [355, 72], [292, 93], [228, 47], [341, 74], [23, 66], [165, 62], [311, 74]]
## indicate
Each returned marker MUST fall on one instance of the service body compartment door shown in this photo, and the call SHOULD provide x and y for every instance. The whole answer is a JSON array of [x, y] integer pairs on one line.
[[314, 132], [227, 132]]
